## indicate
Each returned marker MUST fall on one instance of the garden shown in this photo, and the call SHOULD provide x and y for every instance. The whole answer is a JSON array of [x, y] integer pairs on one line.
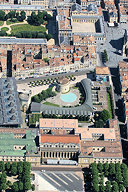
[[106, 177], [15, 176], [17, 25], [43, 95]]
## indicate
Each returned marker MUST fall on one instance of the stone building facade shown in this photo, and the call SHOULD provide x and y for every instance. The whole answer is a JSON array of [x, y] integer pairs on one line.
[[59, 147]]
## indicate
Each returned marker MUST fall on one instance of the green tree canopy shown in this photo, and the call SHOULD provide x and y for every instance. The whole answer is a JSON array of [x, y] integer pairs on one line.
[[95, 187], [15, 187], [2, 15], [100, 167], [108, 186], [7, 166], [2, 166], [115, 187], [104, 115]]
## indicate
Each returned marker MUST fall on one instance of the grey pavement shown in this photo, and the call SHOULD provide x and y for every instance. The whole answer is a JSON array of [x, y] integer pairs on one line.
[[65, 181], [113, 44]]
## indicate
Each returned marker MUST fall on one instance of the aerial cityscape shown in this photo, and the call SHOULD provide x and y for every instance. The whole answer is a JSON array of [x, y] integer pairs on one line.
[[64, 95]]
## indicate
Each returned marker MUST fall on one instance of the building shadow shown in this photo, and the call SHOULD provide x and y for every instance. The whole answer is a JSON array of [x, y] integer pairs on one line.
[[117, 44]]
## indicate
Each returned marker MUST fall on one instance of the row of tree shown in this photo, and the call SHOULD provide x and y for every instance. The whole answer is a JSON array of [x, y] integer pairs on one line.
[[28, 34], [20, 16], [79, 117], [20, 169], [116, 176]]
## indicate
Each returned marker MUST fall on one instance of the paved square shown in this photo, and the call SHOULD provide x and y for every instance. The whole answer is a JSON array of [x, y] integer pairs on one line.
[[83, 27], [60, 181]]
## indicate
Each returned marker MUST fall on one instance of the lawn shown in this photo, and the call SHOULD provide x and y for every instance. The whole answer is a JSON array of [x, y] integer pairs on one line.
[[4, 29], [51, 104], [26, 27], [109, 105], [1, 23]]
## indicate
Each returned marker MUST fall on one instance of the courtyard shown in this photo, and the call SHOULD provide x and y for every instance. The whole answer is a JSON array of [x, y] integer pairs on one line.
[[72, 98], [83, 27]]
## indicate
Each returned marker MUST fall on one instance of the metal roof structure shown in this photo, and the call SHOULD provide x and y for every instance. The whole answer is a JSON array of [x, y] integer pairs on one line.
[[10, 113], [85, 109], [10, 40], [22, 7], [8, 141]]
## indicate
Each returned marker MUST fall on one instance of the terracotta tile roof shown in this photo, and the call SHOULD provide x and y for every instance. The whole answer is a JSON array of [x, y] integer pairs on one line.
[[87, 133], [107, 149], [59, 139]]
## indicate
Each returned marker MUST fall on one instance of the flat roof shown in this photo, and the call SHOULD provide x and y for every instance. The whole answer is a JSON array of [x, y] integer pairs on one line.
[[22, 7], [58, 123], [9, 40], [88, 133]]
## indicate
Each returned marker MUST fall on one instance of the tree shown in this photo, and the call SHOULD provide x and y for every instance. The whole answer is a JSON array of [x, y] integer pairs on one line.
[[112, 169], [106, 168], [121, 187], [27, 185], [104, 115], [17, 16], [100, 167], [95, 187], [99, 123], [20, 186], [9, 184], [46, 60], [14, 168], [33, 187], [115, 187], [102, 188], [15, 187], [2, 166], [12, 14], [105, 55], [2, 15], [20, 167], [23, 15], [108, 186], [3, 186], [3, 179], [7, 166]]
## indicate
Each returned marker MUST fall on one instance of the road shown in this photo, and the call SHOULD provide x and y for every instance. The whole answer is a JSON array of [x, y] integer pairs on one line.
[[57, 168], [82, 72]]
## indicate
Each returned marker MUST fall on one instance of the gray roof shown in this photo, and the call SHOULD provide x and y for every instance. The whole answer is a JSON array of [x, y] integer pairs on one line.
[[10, 113], [9, 40], [22, 7], [92, 7], [77, 7], [85, 109]]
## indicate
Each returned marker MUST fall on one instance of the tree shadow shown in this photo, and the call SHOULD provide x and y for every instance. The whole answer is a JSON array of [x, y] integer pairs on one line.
[[117, 53]]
